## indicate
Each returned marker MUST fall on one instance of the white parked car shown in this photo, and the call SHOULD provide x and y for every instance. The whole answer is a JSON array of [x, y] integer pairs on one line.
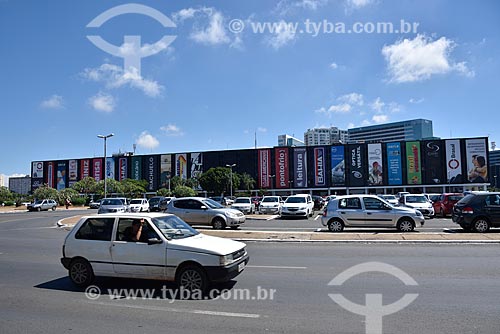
[[419, 202], [391, 199], [298, 205], [139, 205], [244, 204], [271, 204], [167, 249]]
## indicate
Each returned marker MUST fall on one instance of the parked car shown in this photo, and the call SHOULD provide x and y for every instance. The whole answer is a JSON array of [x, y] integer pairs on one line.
[[419, 202], [271, 204], [443, 204], [139, 205], [244, 204], [368, 211], [298, 205], [42, 205], [432, 197], [94, 204], [401, 194], [205, 211], [112, 205], [219, 199], [158, 203], [478, 212], [169, 249], [391, 199]]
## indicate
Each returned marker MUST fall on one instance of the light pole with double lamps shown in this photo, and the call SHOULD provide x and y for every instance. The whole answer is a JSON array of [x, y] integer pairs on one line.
[[231, 178], [105, 137]]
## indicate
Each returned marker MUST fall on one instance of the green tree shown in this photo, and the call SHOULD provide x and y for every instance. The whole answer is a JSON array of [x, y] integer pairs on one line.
[[247, 182], [67, 193], [192, 183], [184, 191], [45, 192], [164, 192], [176, 181], [87, 185], [215, 180], [114, 187], [5, 194], [133, 188]]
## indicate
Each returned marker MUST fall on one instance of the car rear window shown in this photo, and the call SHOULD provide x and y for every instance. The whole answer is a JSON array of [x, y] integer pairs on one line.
[[96, 229], [466, 200], [455, 198]]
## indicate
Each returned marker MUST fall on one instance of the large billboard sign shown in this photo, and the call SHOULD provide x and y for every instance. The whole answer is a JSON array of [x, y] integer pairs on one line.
[[356, 165], [413, 163], [433, 155], [282, 175], [319, 166], [453, 161], [394, 168], [50, 174], [375, 171], [477, 164], [300, 167], [84, 168], [196, 164], [151, 172], [136, 168], [338, 165], [110, 168], [36, 174], [73, 172], [165, 169], [61, 175], [122, 168], [264, 165], [181, 165], [97, 169]]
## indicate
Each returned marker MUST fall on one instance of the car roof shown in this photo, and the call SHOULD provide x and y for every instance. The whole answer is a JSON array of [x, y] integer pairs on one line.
[[130, 215]]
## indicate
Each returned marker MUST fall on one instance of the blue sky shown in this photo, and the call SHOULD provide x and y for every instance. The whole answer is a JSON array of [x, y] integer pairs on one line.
[[215, 86]]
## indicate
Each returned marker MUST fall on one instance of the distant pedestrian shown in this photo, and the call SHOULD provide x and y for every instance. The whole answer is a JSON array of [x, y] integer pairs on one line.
[[68, 203]]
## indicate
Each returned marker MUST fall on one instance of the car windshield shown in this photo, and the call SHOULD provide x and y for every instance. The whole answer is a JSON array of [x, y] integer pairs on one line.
[[455, 198], [173, 227], [466, 199], [212, 204], [389, 197], [154, 200], [136, 201], [39, 202], [270, 199], [416, 199], [112, 201], [242, 200], [296, 200]]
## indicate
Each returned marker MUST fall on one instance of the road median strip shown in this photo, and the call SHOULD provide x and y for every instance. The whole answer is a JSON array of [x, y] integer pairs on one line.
[[344, 237]]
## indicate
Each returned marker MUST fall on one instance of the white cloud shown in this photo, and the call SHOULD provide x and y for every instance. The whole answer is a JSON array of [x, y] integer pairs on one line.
[[53, 102], [420, 58], [342, 108], [286, 6], [147, 141], [334, 66], [102, 102], [365, 122], [172, 130], [214, 33], [416, 101], [350, 125], [184, 14], [115, 77], [356, 4], [352, 98], [283, 34], [377, 105], [261, 129], [380, 118]]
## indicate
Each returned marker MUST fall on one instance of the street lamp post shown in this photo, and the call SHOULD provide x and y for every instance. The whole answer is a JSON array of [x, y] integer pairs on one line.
[[231, 178], [105, 174], [272, 181]]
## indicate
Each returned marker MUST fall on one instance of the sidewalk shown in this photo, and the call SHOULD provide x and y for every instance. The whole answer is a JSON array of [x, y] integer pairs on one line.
[[344, 237], [22, 208]]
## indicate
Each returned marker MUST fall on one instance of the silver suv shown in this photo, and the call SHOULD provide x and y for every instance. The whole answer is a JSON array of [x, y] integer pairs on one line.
[[39, 205], [368, 211], [113, 205], [205, 211]]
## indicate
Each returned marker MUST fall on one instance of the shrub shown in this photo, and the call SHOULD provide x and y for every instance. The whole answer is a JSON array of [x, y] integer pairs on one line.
[[79, 201], [9, 203]]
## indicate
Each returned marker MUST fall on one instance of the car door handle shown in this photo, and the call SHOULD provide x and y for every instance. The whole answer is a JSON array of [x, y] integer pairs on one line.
[[342, 212], [368, 213]]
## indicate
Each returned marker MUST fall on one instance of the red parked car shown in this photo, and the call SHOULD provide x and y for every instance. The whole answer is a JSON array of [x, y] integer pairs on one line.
[[444, 204]]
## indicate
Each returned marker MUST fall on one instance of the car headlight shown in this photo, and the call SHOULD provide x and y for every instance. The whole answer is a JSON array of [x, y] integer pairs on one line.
[[418, 213], [230, 214], [225, 259]]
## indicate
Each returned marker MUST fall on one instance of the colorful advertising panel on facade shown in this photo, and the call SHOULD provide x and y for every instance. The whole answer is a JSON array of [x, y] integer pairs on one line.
[[196, 164], [37, 170], [165, 169], [282, 174], [300, 168], [338, 165], [84, 168], [50, 174], [136, 168], [356, 157], [264, 165], [319, 166], [97, 169], [181, 165], [61, 175], [151, 171], [477, 164], [453, 161], [433, 155], [375, 168], [413, 163], [110, 168], [73, 172], [394, 168], [122, 168]]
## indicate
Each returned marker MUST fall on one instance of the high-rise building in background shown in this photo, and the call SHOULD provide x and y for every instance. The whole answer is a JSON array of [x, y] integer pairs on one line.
[[286, 140], [415, 129], [325, 136]]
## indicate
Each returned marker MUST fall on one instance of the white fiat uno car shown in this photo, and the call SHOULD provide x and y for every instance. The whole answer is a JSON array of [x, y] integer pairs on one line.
[[167, 249]]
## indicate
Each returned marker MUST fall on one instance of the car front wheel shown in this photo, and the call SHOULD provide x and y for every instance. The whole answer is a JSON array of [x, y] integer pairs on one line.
[[218, 224], [192, 278], [81, 273], [481, 225], [405, 225]]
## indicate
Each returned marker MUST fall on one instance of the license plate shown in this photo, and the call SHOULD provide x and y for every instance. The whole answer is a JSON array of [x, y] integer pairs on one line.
[[241, 266]]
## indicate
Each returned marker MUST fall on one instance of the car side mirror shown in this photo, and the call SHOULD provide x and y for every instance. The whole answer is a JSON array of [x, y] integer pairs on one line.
[[154, 241]]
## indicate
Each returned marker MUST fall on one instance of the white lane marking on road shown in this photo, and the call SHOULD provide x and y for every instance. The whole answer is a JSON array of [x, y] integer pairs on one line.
[[276, 267], [177, 310], [316, 218], [272, 217]]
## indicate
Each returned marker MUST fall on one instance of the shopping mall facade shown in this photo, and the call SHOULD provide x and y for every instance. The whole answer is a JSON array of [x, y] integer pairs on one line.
[[429, 166]]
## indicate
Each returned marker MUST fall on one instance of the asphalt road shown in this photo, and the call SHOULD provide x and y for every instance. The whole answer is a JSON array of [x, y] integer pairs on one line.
[[458, 289]]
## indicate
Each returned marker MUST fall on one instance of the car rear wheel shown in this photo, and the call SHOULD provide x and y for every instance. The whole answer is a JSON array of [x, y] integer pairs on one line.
[[192, 278], [405, 225], [218, 223], [466, 228], [81, 273], [335, 226], [53, 208], [39, 209], [481, 225]]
